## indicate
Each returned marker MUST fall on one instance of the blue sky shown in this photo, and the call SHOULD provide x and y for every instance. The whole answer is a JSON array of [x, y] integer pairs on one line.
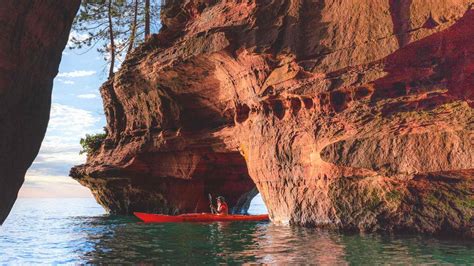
[[76, 110]]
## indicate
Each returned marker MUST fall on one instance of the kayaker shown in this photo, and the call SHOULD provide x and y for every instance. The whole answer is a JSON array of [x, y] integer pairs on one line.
[[222, 208]]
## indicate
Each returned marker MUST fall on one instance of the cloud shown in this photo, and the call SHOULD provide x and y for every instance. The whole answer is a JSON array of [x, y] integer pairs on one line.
[[59, 152], [70, 121], [87, 96], [77, 36], [48, 186], [76, 74], [60, 148], [69, 82]]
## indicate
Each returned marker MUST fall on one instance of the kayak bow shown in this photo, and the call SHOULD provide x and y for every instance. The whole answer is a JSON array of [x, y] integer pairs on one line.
[[197, 217]]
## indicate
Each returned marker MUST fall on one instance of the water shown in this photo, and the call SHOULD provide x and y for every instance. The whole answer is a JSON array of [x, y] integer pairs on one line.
[[56, 231]]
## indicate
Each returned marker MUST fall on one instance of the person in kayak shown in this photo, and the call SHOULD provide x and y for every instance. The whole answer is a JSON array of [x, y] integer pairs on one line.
[[222, 208]]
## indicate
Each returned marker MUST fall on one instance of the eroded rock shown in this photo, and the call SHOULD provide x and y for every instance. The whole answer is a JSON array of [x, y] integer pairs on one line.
[[354, 115]]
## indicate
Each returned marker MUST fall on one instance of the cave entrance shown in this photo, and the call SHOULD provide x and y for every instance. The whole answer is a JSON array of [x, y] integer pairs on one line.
[[257, 206], [217, 174], [250, 203]]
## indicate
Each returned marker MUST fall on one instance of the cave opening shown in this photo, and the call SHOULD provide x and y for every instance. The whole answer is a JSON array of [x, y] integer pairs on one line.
[[227, 175], [250, 203], [257, 206]]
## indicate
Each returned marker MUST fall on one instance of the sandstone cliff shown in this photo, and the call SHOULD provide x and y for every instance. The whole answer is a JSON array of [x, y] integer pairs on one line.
[[354, 115], [33, 33]]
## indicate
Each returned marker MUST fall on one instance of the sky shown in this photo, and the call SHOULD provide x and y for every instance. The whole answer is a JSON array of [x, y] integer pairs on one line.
[[76, 110]]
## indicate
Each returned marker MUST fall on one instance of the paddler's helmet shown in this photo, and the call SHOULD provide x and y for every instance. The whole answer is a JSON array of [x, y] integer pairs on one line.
[[221, 199]]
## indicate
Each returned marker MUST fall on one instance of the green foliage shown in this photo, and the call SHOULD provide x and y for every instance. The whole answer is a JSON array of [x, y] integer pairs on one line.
[[93, 27], [92, 21], [91, 143]]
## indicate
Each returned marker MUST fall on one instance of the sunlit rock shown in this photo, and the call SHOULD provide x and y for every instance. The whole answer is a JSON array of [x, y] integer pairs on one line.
[[354, 115]]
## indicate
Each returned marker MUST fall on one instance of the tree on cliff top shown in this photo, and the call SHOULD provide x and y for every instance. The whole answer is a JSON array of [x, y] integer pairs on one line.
[[91, 143], [116, 26]]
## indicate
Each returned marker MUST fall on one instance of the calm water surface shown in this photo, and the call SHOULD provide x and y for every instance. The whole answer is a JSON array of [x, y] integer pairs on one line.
[[78, 231]]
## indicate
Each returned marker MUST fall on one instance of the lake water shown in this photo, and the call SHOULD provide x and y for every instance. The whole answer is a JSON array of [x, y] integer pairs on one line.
[[56, 231]]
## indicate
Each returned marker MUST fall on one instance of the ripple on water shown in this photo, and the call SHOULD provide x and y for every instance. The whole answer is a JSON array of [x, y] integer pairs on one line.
[[40, 231]]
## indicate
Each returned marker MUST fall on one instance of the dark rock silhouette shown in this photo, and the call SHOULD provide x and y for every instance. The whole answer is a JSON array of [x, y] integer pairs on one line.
[[33, 34]]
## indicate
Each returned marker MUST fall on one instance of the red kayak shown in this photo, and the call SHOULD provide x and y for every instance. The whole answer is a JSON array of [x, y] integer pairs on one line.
[[197, 217]]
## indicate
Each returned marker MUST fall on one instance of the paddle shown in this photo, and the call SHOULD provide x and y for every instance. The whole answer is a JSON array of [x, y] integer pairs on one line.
[[210, 202]]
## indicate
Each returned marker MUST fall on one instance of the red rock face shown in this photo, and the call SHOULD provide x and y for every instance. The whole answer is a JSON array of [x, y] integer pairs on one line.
[[354, 115], [33, 34]]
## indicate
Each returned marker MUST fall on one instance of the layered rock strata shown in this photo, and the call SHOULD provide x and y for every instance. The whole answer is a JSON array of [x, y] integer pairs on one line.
[[354, 115]]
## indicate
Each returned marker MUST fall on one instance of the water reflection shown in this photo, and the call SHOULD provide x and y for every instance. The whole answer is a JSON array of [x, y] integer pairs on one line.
[[191, 243], [44, 232]]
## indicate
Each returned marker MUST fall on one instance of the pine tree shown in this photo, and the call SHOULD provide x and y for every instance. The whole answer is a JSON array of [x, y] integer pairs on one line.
[[134, 28], [147, 19], [114, 26]]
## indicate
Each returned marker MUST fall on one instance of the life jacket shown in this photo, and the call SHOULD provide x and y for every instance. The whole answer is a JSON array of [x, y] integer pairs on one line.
[[222, 208]]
